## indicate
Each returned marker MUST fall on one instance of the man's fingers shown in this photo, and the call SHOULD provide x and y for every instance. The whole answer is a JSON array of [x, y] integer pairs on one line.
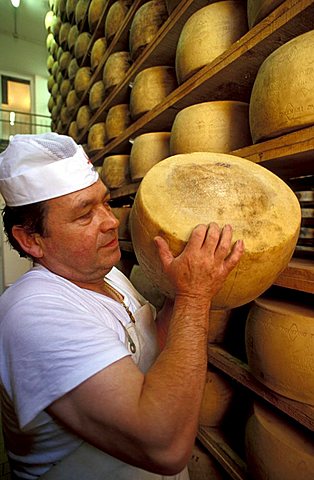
[[235, 255], [164, 252]]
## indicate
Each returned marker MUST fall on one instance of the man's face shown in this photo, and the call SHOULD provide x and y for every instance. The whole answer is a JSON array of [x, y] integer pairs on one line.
[[81, 243]]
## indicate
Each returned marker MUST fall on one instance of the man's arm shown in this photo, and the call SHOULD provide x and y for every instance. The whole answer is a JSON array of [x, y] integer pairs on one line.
[[150, 420]]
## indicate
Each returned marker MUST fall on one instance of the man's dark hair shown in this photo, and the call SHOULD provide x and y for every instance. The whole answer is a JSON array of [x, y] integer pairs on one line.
[[30, 217]]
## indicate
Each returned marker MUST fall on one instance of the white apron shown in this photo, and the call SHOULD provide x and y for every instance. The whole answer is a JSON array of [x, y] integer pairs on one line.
[[89, 463]]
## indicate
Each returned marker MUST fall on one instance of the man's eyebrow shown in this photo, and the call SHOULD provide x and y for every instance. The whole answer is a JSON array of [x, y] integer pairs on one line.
[[84, 203]]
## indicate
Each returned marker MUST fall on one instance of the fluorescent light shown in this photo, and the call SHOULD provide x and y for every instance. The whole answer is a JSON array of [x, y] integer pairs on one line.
[[15, 3]]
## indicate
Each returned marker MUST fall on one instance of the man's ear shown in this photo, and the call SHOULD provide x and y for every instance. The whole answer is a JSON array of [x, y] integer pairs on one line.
[[30, 242]]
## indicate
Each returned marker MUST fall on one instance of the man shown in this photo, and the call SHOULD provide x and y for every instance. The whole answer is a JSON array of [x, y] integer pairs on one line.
[[86, 392]]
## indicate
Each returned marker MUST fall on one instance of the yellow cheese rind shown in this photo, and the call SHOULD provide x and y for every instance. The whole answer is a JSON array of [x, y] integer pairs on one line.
[[115, 171], [208, 33], [96, 136], [276, 449], [280, 347], [147, 150], [185, 190], [216, 401], [282, 94], [220, 126]]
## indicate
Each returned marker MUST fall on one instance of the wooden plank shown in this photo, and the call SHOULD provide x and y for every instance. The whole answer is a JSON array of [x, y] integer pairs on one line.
[[299, 275], [231, 75], [214, 441], [288, 155], [239, 371]]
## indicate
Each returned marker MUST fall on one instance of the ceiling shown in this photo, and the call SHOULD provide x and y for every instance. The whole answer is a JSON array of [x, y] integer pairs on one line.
[[26, 22]]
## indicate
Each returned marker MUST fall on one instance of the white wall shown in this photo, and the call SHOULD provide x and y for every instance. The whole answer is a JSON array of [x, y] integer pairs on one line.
[[21, 59]]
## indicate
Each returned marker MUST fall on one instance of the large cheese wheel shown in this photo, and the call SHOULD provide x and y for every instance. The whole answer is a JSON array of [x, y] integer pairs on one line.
[[96, 95], [50, 62], [207, 34], [82, 79], [117, 120], [115, 171], [51, 103], [185, 190], [83, 117], [146, 151], [63, 34], [81, 12], [277, 449], [98, 51], [257, 10], [70, 9], [72, 68], [72, 101], [146, 288], [55, 90], [115, 16], [151, 86], [65, 88], [65, 115], [218, 322], [280, 347], [81, 45], [50, 83], [145, 25], [122, 214], [216, 401], [282, 94], [96, 136], [95, 11], [64, 61], [73, 130], [72, 37], [115, 68], [213, 127]]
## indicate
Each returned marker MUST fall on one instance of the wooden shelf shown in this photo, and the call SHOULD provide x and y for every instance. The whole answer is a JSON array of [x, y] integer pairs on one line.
[[239, 371], [230, 76], [214, 441], [299, 275]]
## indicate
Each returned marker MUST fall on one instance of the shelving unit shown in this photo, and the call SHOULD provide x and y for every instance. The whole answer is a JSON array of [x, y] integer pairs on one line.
[[230, 76]]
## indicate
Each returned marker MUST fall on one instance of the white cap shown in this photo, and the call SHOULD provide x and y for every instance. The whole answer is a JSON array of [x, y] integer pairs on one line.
[[34, 168]]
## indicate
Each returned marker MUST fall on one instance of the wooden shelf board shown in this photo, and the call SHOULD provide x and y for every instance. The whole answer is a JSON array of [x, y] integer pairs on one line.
[[239, 371], [298, 275], [231, 75], [289, 155], [213, 440], [124, 191]]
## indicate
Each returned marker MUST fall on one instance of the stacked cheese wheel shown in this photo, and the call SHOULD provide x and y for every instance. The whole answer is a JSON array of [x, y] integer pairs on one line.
[[185, 190]]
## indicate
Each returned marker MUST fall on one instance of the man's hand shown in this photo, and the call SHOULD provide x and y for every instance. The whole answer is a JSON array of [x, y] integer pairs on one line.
[[207, 259]]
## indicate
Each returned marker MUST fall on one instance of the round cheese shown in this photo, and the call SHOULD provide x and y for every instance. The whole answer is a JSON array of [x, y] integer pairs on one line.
[[282, 94], [65, 88], [95, 11], [144, 286], [72, 37], [118, 119], [115, 68], [83, 117], [96, 95], [63, 35], [72, 101], [98, 51], [217, 398], [218, 322], [73, 130], [96, 136], [147, 150], [81, 45], [280, 347], [115, 16], [185, 190], [213, 127], [257, 10], [115, 171], [151, 86], [70, 9], [72, 68], [81, 9], [146, 22], [82, 79], [122, 214], [207, 34], [65, 116], [276, 448]]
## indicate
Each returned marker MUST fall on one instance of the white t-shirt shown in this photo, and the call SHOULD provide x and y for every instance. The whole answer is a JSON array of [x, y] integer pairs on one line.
[[53, 336]]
